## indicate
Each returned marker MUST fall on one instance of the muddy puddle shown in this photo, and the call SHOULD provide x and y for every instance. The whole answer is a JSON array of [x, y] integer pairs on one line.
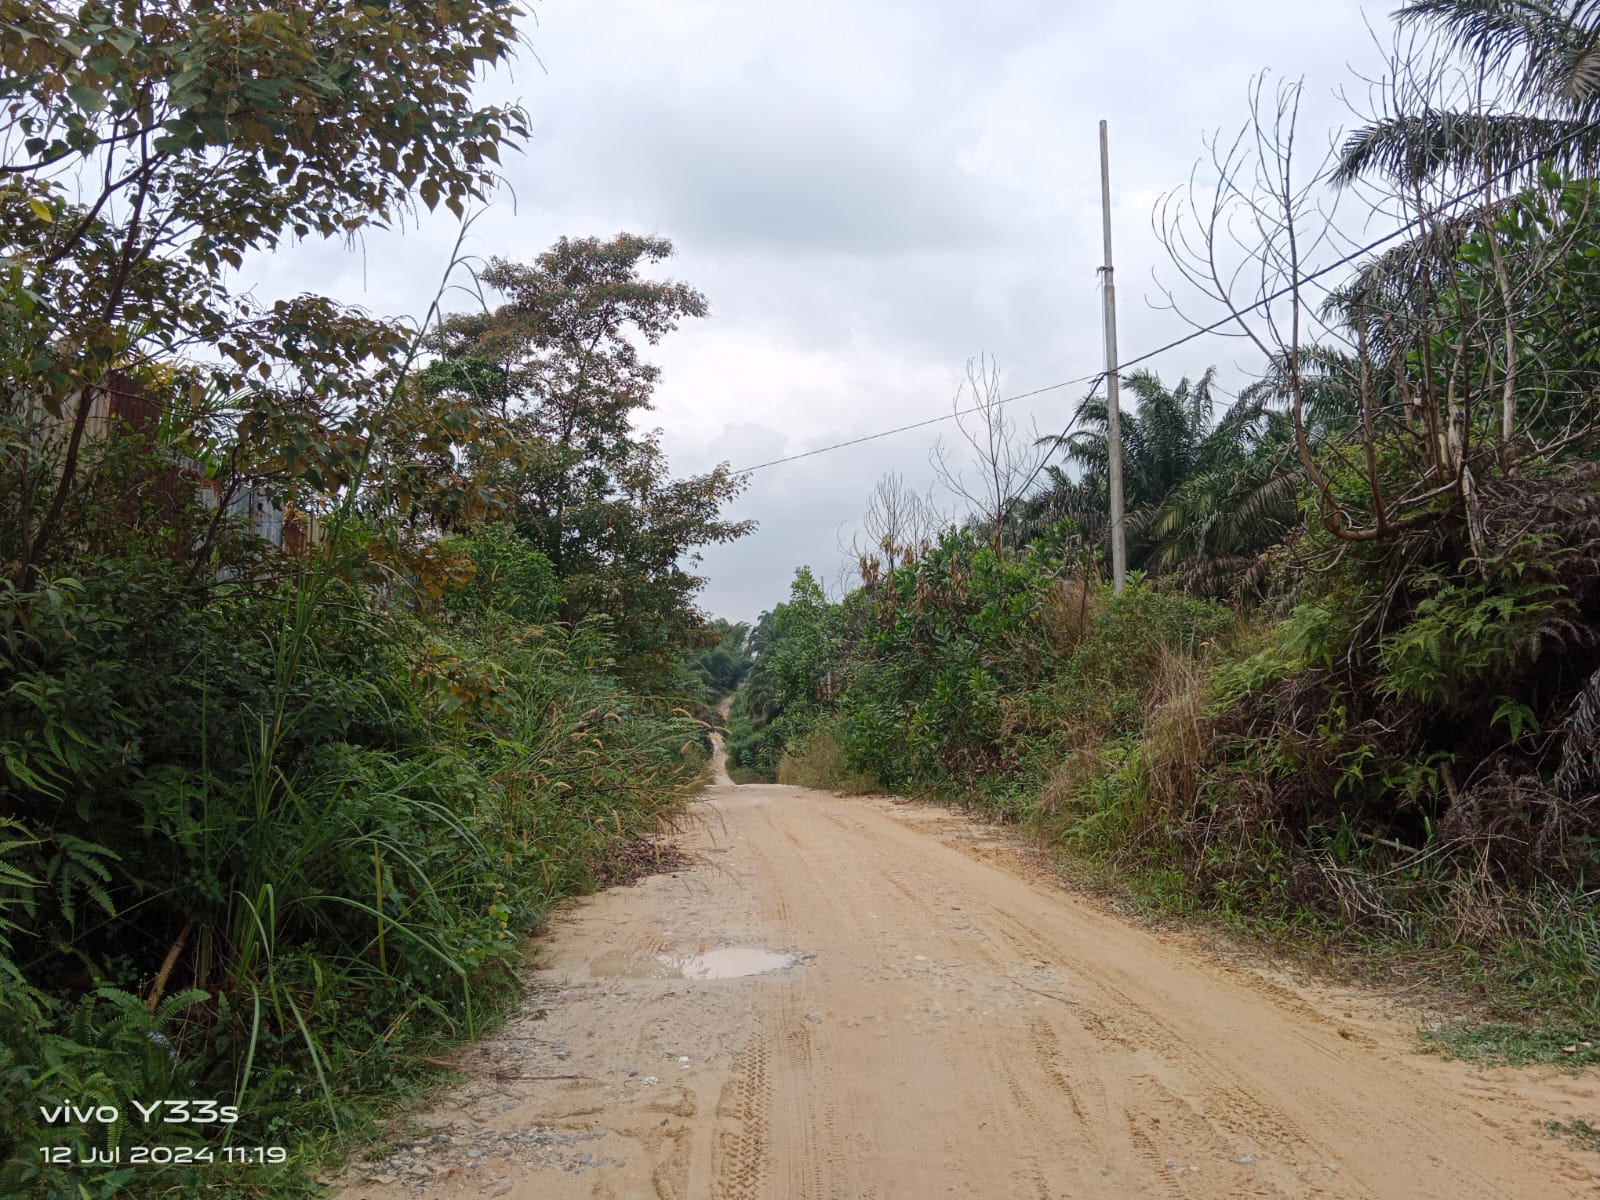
[[734, 962]]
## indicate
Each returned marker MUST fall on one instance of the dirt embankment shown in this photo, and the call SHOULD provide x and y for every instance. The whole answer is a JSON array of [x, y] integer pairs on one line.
[[936, 1018]]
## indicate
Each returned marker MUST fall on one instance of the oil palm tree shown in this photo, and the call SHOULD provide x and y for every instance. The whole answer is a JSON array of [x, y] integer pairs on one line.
[[1548, 54], [1171, 435], [1216, 522], [1162, 437], [1207, 494]]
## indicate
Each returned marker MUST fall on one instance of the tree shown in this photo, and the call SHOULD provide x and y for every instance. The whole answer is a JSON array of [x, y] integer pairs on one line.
[[149, 147], [1530, 94], [1214, 525], [1001, 462], [721, 667], [898, 524], [1165, 438], [795, 647], [1201, 489], [558, 361], [1502, 96]]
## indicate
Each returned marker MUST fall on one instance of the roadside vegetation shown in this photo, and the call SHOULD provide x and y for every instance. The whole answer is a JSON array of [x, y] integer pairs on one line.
[[339, 648], [721, 668], [1349, 699], [336, 649]]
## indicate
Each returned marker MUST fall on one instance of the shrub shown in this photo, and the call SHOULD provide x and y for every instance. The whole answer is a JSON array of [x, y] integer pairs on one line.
[[338, 820], [817, 759]]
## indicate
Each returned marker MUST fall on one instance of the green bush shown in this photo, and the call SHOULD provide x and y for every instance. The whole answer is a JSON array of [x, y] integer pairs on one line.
[[818, 759], [340, 818]]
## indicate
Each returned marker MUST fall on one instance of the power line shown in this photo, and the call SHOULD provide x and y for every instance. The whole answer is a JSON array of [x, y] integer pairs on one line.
[[1057, 442], [872, 437], [1230, 319]]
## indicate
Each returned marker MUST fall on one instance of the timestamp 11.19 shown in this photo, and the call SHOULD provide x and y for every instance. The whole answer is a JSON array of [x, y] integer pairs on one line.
[[161, 1156]]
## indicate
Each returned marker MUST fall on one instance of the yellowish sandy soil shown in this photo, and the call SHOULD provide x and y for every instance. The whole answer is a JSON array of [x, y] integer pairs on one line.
[[942, 1020]]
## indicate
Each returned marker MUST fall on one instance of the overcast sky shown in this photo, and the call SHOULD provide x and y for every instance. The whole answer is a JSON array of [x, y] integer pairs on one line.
[[868, 192]]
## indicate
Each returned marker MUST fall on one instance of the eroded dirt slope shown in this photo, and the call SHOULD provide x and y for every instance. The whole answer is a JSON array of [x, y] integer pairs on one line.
[[949, 1023]]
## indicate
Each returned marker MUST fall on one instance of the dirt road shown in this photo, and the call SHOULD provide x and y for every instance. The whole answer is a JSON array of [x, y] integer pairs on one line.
[[941, 1020]]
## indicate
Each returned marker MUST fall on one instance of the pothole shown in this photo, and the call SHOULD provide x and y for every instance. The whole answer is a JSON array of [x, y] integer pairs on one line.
[[733, 962]]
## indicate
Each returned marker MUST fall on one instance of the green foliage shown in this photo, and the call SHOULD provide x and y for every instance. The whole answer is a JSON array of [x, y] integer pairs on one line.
[[276, 821], [1536, 51], [1499, 1043], [1578, 1131], [960, 668], [150, 149], [510, 579], [345, 818], [1106, 682], [1370, 769], [109, 1048], [1466, 636], [558, 362], [722, 666], [1206, 495], [818, 758], [789, 682]]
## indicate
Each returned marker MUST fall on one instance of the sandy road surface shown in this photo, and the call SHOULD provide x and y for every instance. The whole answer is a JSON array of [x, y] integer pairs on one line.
[[951, 1025]]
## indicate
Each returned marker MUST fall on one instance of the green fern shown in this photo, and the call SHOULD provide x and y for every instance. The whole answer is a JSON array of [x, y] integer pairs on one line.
[[16, 891], [79, 866]]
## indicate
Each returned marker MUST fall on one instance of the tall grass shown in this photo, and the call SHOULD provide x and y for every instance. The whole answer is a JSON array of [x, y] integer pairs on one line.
[[273, 842], [1160, 822], [818, 759]]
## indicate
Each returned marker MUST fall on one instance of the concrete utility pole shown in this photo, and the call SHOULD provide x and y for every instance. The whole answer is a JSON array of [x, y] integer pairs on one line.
[[1119, 541]]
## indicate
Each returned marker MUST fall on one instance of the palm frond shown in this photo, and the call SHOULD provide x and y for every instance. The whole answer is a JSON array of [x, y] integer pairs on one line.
[[1498, 34], [1417, 147]]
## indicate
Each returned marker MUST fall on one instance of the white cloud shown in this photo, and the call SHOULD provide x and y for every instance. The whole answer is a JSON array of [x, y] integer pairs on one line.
[[868, 191]]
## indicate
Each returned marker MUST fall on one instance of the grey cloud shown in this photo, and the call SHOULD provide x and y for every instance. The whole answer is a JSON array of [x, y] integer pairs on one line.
[[745, 444], [781, 174], [868, 191]]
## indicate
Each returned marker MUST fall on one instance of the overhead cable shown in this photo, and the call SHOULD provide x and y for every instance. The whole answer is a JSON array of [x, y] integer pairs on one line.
[[1232, 318]]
